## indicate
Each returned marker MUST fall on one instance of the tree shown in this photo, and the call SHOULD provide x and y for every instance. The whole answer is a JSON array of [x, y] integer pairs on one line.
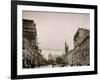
[[59, 61], [50, 61]]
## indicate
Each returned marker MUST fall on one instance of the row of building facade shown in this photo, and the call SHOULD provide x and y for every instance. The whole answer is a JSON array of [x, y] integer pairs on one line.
[[32, 56], [79, 55]]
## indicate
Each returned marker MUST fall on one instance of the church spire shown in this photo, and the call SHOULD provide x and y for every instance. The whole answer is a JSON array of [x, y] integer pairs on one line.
[[66, 48]]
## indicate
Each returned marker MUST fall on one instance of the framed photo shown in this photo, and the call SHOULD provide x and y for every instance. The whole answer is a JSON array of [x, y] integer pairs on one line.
[[53, 39]]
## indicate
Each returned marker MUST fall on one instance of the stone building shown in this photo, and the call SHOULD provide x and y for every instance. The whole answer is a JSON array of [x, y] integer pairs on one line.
[[31, 51], [66, 54], [81, 47], [27, 54], [71, 58]]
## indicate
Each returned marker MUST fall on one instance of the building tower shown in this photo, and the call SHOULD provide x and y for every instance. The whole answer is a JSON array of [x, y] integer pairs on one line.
[[66, 48], [66, 54]]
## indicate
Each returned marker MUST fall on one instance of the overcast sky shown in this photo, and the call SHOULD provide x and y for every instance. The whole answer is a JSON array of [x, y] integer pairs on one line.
[[54, 28]]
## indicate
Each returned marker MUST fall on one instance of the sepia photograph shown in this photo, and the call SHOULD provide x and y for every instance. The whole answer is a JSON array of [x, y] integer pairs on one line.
[[54, 39]]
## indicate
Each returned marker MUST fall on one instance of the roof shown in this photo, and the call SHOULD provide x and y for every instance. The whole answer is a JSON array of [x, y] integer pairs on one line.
[[79, 30], [28, 20]]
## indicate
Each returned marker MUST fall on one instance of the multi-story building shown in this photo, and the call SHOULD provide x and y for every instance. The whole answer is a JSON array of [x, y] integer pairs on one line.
[[81, 47], [27, 54], [70, 57], [31, 51]]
